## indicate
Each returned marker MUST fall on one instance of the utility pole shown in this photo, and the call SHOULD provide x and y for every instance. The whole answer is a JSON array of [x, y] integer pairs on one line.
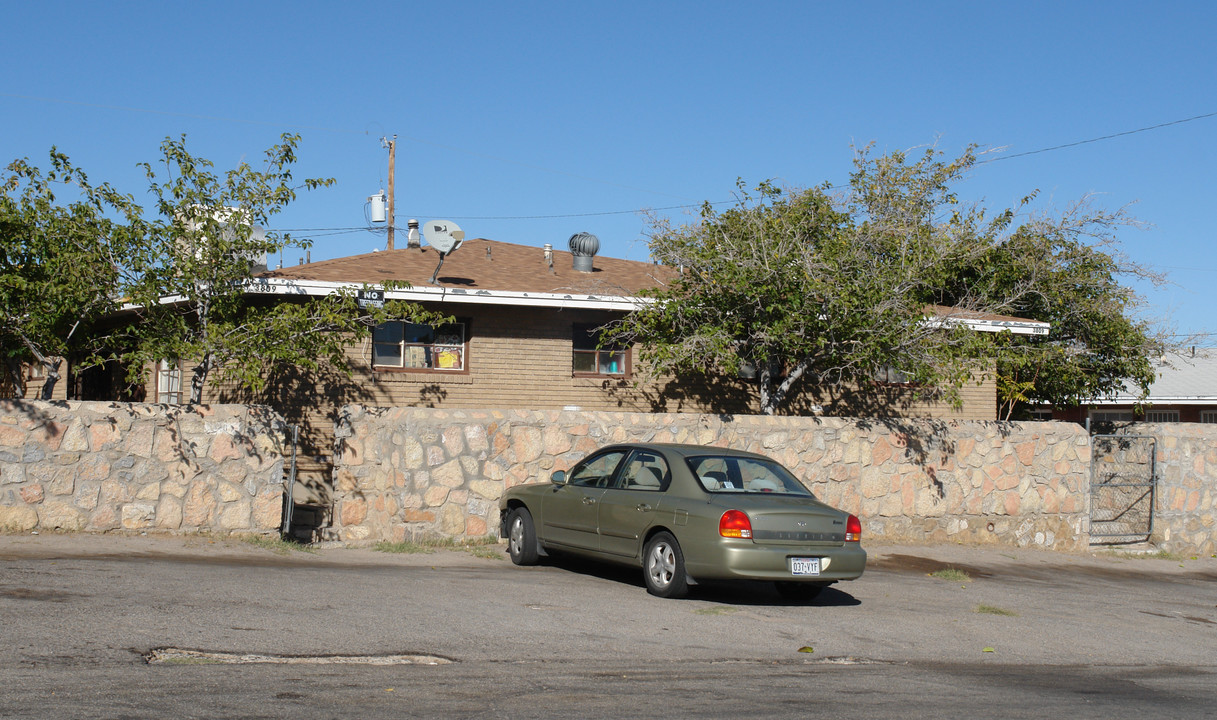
[[392, 163]]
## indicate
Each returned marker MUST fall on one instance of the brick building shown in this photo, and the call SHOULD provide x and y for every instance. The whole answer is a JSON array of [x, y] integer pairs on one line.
[[523, 338], [1184, 390]]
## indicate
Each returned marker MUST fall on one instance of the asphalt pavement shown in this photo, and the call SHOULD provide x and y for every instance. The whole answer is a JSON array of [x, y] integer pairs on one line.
[[157, 626]]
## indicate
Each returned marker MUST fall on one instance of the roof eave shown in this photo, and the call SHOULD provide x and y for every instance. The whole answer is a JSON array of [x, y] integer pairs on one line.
[[1160, 400], [436, 294], [1015, 327]]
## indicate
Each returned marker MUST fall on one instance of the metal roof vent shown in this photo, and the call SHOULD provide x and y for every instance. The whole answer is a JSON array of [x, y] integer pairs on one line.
[[583, 247]]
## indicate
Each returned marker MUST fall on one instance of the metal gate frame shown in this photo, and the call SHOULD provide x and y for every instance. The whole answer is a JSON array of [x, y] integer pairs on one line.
[[289, 505], [1126, 483]]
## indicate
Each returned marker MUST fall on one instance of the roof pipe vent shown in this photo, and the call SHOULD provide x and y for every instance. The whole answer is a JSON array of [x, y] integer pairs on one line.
[[412, 239], [583, 247]]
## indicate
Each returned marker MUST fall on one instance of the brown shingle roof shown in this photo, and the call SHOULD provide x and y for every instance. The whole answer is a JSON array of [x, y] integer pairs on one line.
[[945, 311], [490, 265], [482, 264]]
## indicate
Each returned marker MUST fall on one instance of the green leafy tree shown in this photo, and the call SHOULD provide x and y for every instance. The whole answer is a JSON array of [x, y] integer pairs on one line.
[[194, 301], [62, 266], [1067, 271], [815, 288]]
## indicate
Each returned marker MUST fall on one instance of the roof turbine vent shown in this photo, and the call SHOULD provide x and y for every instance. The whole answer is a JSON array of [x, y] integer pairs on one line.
[[583, 247]]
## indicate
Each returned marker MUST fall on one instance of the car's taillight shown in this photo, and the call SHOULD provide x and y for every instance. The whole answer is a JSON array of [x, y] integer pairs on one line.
[[735, 524], [853, 529]]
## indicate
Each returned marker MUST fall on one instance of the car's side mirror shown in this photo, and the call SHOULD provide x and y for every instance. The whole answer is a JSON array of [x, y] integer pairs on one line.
[[558, 477]]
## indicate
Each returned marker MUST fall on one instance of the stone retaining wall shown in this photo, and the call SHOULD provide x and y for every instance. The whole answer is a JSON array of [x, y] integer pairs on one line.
[[100, 466], [402, 472], [1185, 511]]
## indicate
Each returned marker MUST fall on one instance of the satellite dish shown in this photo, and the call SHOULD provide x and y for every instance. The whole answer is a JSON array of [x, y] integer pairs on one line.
[[443, 235]]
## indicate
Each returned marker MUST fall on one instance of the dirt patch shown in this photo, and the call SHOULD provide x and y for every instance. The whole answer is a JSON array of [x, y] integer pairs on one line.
[[38, 595], [923, 565]]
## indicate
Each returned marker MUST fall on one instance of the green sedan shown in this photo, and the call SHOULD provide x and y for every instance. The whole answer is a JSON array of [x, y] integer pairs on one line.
[[686, 513]]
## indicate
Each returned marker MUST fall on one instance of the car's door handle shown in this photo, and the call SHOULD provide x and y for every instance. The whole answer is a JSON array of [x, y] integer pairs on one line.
[[589, 501], [643, 507]]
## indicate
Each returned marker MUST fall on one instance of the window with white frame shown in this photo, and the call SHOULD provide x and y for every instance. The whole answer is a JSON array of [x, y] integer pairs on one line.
[[410, 346], [169, 382], [1208, 416], [1111, 415], [1162, 416]]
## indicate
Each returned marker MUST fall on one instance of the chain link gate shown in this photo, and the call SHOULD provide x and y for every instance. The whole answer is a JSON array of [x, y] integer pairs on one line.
[[1123, 483]]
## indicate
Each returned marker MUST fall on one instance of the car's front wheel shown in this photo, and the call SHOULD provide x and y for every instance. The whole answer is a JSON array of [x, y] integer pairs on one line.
[[522, 537], [663, 566]]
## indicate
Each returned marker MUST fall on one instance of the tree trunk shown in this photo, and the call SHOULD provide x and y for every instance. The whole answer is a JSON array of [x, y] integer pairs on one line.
[[767, 403], [199, 379], [51, 367], [773, 398]]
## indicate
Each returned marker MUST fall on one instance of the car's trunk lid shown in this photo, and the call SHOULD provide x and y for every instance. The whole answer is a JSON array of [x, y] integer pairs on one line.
[[794, 521]]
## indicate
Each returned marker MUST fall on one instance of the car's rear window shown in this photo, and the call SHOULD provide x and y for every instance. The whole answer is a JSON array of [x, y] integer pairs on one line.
[[730, 474]]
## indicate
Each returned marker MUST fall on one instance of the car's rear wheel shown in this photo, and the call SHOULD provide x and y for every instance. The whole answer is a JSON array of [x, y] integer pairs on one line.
[[663, 566], [522, 537], [798, 591]]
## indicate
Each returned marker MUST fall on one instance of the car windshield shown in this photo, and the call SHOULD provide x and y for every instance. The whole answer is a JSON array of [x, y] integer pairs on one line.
[[726, 473]]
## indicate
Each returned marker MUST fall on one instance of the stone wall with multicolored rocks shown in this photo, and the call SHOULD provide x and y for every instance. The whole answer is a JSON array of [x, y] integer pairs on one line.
[[402, 473], [1185, 496], [102, 466]]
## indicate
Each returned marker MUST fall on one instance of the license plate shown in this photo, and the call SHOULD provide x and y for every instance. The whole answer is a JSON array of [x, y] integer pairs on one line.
[[804, 566]]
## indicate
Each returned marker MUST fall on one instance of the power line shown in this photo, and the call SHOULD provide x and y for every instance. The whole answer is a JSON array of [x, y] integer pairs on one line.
[[577, 215], [831, 186], [1097, 139], [519, 217], [420, 141], [560, 172]]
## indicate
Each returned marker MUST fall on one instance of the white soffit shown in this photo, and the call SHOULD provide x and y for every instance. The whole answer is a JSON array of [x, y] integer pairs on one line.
[[319, 288], [282, 286], [1016, 327]]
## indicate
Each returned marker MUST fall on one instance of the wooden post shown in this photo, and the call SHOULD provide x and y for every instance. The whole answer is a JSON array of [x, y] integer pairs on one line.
[[392, 163]]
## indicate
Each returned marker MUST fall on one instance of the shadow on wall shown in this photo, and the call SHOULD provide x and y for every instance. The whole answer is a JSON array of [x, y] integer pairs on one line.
[[898, 409], [431, 395], [695, 392], [37, 413], [721, 395], [309, 399]]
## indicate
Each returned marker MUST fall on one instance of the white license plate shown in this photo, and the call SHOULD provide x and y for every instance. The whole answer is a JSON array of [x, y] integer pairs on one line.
[[804, 566]]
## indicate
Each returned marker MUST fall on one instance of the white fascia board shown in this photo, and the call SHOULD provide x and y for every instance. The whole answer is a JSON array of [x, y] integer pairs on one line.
[[164, 300], [1173, 400], [1015, 327], [284, 286]]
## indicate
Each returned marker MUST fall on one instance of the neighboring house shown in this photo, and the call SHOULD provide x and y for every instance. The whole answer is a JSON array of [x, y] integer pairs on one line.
[[1184, 390]]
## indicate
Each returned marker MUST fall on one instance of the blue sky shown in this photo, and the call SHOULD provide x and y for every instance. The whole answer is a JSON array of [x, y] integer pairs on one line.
[[526, 122]]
